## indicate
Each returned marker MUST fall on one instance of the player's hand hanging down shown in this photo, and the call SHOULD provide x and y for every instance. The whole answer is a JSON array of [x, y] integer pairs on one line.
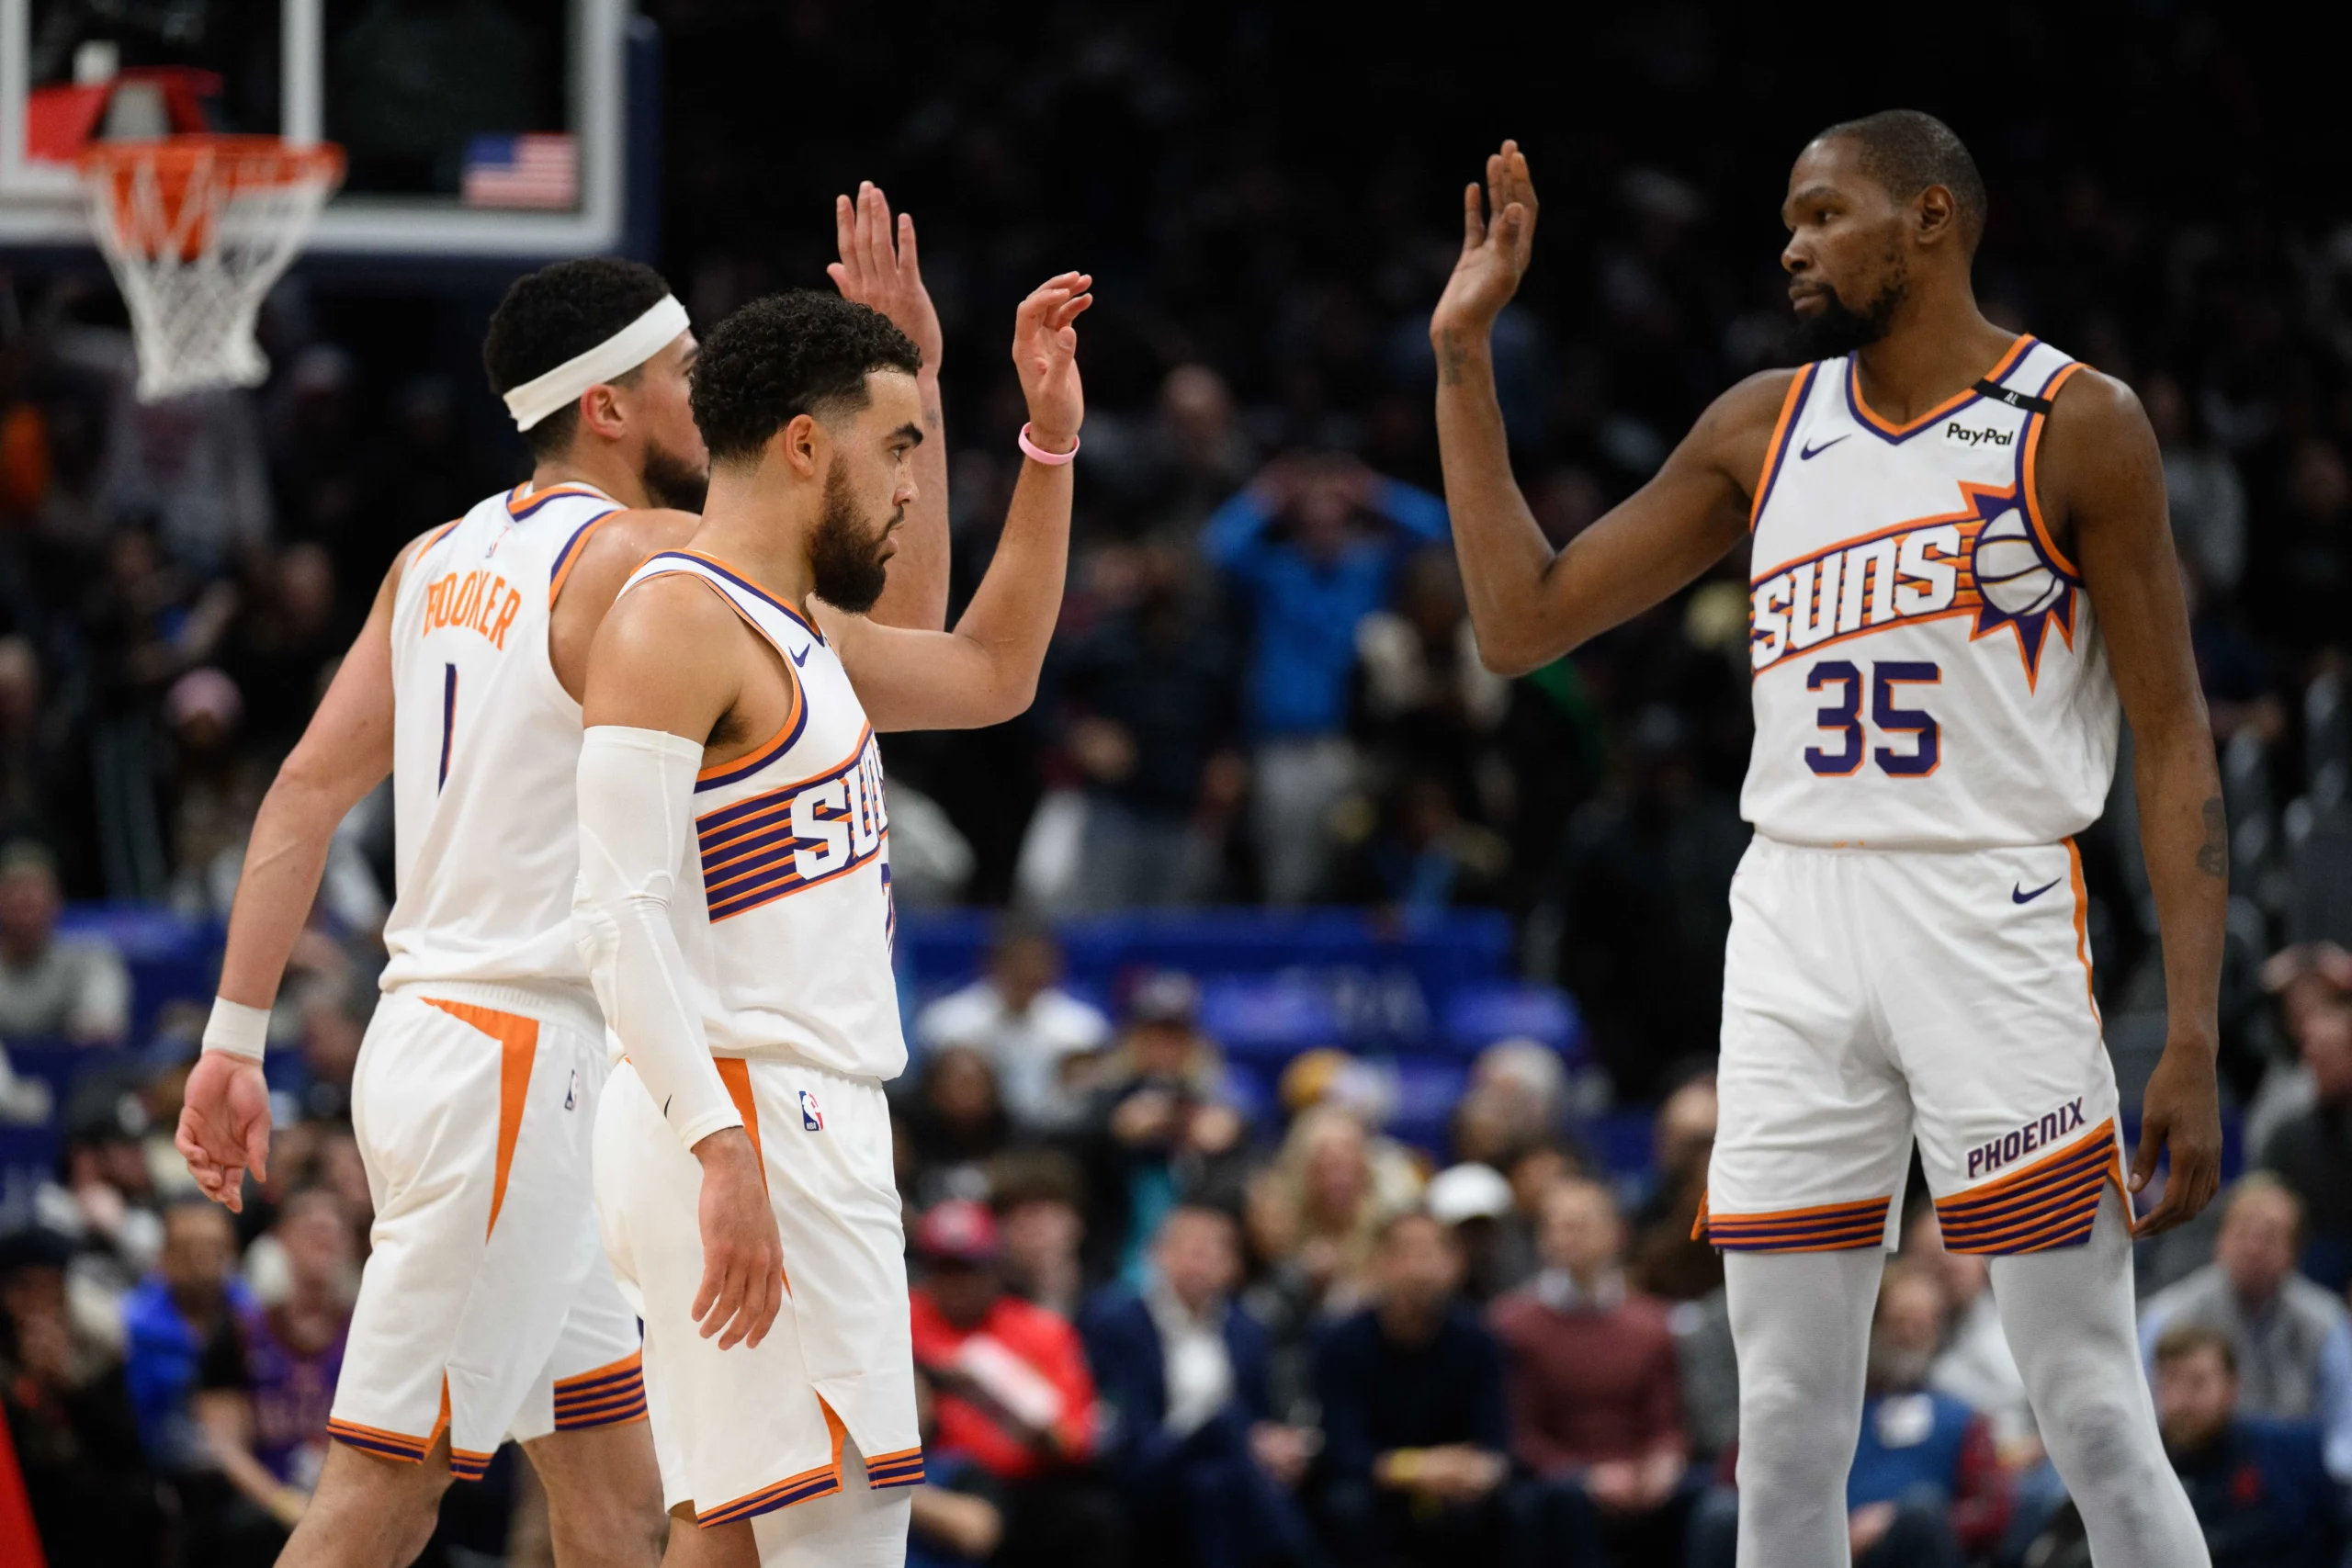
[[224, 1126], [1498, 243], [2181, 1115], [742, 1257], [1044, 354], [880, 267]]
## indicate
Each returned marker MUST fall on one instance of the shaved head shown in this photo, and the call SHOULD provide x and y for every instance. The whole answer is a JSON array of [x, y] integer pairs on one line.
[[1907, 151]]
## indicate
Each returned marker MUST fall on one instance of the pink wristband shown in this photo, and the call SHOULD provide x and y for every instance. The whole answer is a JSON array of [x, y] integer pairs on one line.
[[1039, 454]]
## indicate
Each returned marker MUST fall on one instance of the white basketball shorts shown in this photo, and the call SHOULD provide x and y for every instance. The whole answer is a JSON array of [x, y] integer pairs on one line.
[[1870, 998], [487, 1309], [744, 1431]]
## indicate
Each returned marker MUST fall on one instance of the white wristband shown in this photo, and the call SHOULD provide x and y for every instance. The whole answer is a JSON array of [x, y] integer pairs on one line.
[[237, 1030]]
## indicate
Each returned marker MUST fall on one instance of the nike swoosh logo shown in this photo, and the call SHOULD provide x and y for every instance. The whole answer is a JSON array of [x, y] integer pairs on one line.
[[1806, 454], [799, 658], [2018, 895]]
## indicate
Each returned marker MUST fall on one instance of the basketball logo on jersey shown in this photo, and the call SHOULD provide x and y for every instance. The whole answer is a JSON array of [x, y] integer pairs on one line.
[[811, 1118], [1986, 560]]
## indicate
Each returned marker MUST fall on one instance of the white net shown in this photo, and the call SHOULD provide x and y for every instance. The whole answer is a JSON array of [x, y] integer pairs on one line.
[[195, 230]]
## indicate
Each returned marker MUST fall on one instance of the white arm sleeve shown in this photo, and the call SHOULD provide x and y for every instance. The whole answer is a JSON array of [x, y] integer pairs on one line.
[[636, 798]]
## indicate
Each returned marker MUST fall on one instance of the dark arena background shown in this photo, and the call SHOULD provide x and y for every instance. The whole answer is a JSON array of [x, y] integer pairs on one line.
[[1275, 903]]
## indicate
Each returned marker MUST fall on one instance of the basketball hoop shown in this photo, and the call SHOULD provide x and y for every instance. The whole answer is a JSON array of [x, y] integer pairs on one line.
[[196, 228]]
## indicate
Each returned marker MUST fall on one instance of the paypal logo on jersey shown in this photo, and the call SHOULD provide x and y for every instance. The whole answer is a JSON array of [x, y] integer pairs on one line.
[[811, 1117]]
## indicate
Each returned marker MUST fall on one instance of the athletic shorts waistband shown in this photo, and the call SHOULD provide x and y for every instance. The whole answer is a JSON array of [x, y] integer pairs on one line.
[[782, 1056], [553, 1001]]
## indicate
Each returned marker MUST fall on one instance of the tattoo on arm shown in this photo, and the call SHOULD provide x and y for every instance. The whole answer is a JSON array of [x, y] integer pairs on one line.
[[1451, 359], [2213, 854]]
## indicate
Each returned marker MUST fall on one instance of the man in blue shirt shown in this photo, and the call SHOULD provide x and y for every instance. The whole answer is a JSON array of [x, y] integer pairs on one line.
[[1416, 1425], [1345, 530], [170, 1319], [2259, 1487]]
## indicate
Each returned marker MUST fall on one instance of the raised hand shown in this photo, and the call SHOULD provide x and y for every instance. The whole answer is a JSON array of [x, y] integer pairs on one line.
[[1044, 354], [880, 267], [1497, 242], [224, 1126]]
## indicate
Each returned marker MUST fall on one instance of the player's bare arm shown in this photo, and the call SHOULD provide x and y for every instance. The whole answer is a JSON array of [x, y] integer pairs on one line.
[[618, 547], [672, 660], [985, 671], [2102, 488], [345, 750], [1530, 603], [880, 266]]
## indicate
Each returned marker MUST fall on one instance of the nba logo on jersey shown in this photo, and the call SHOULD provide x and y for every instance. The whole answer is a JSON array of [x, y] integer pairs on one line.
[[810, 1117]]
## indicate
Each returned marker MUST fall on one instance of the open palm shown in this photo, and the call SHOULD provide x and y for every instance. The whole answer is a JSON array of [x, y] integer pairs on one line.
[[1044, 354], [1497, 242]]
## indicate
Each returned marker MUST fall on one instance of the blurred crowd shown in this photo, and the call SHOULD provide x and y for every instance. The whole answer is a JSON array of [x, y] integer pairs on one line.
[[1158, 1326]]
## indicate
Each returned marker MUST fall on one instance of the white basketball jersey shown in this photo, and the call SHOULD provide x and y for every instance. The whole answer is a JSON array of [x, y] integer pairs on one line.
[[790, 941], [486, 749], [1927, 672]]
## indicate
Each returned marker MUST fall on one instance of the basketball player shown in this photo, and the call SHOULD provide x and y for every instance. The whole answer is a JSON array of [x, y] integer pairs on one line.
[[735, 905], [487, 1309], [1958, 560]]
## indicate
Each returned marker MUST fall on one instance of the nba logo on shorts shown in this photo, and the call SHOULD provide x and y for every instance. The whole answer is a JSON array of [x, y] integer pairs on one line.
[[810, 1117]]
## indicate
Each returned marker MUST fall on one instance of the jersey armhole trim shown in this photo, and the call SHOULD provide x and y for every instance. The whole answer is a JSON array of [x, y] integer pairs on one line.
[[795, 718], [2032, 494], [1783, 429], [569, 557]]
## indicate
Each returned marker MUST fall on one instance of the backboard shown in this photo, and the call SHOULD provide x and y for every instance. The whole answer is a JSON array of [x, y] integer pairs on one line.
[[475, 129]]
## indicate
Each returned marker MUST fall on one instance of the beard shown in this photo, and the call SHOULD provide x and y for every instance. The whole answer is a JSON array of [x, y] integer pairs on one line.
[[670, 480], [848, 559], [1837, 329]]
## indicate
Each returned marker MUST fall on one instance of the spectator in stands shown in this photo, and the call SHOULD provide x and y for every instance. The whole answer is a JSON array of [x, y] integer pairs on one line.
[[2203, 490], [1415, 1421], [169, 1321], [1305, 592], [1160, 1126], [2290, 1340], [2259, 1487], [1014, 1392], [1150, 723], [2312, 1153], [1595, 1393], [1975, 1365], [69, 1417], [1474, 1202], [1036, 1194], [267, 1384], [1422, 693], [105, 1197], [956, 1125], [1666, 1260], [67, 988], [1018, 1016], [1168, 471], [43, 760], [958, 1516], [1321, 1211], [1926, 1490], [1205, 1469]]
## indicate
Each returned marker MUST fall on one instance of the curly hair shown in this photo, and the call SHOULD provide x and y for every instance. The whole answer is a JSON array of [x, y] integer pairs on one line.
[[555, 314], [776, 359]]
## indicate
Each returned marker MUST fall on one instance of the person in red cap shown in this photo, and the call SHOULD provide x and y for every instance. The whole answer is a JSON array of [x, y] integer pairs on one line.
[[1013, 1391]]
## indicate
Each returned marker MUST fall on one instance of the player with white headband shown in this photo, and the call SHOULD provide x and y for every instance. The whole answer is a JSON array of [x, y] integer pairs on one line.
[[487, 1310]]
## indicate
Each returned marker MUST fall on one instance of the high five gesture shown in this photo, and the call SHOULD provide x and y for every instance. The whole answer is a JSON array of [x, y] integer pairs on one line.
[[1498, 243]]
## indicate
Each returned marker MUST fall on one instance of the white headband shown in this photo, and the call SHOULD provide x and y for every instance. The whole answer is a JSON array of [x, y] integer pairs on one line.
[[617, 356]]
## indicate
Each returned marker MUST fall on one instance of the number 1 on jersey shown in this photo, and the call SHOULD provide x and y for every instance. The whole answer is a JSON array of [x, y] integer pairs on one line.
[[448, 720], [1845, 716]]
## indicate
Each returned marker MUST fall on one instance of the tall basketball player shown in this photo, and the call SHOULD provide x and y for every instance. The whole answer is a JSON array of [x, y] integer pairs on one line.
[[487, 1309], [735, 902], [1959, 562]]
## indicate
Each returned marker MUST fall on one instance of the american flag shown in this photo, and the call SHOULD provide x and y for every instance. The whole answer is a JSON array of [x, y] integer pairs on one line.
[[536, 169]]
